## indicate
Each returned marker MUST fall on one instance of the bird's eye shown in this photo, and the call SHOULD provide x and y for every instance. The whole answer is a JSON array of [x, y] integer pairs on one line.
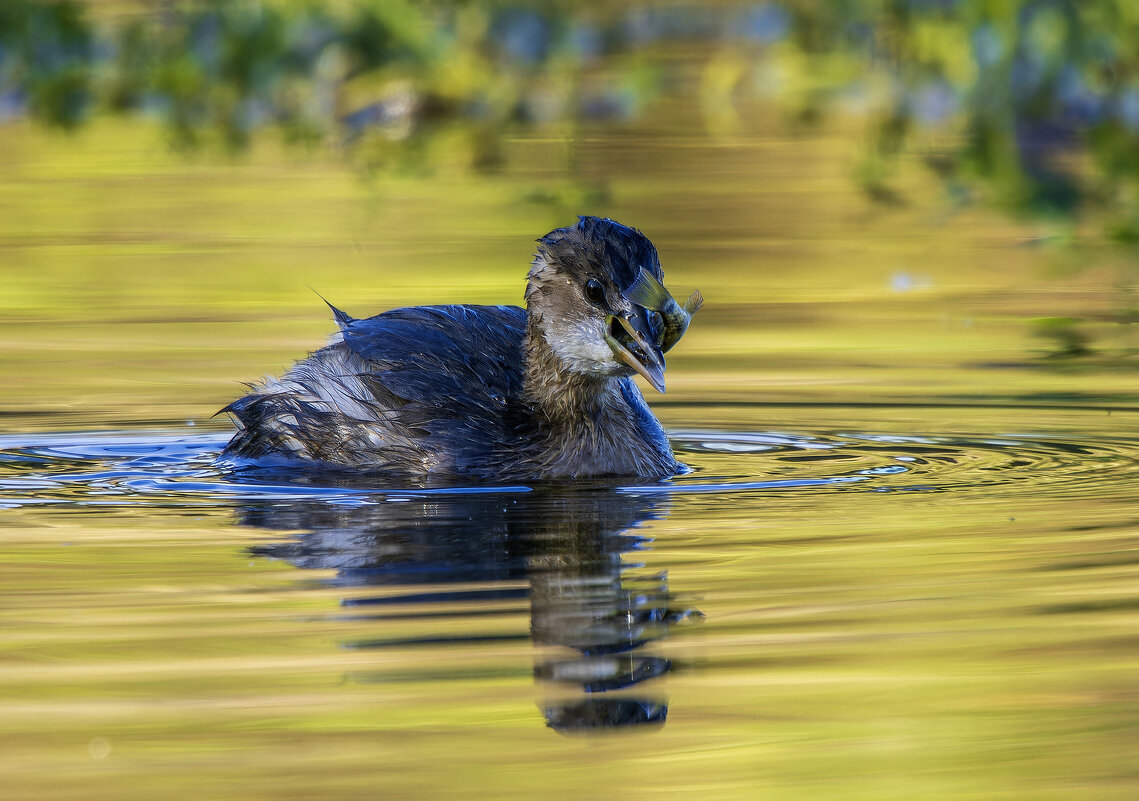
[[594, 292]]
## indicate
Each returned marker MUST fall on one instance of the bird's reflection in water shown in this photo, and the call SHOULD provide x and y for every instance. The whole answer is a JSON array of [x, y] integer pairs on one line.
[[594, 609]]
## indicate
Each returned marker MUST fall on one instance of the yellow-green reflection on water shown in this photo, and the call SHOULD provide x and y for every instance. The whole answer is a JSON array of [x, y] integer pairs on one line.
[[962, 628]]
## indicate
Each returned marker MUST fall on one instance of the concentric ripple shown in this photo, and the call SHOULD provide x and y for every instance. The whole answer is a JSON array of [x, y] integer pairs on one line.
[[162, 469], [890, 462]]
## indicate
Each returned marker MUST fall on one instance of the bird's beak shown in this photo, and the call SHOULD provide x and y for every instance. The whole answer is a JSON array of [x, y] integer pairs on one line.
[[635, 339]]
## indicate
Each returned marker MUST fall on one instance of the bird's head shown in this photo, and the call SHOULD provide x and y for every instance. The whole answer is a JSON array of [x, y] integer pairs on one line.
[[595, 294]]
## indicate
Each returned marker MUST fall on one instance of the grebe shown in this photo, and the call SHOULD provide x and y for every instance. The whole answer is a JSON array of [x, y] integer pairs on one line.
[[490, 392]]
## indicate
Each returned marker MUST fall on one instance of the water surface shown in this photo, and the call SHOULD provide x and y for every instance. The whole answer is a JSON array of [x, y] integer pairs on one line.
[[902, 567], [900, 610]]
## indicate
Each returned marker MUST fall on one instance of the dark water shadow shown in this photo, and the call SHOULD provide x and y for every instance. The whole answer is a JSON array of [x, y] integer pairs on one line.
[[570, 552]]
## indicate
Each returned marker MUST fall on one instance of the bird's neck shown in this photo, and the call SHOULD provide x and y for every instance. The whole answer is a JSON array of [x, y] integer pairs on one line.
[[559, 396], [586, 425]]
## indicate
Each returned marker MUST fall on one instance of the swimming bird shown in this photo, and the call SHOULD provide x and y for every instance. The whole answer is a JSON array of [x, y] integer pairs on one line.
[[489, 392]]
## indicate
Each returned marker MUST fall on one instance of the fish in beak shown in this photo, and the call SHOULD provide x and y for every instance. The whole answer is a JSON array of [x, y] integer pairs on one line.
[[656, 323], [650, 293]]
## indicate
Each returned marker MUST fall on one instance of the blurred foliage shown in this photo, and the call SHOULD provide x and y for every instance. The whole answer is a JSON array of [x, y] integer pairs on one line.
[[1032, 105], [1036, 101], [1039, 98], [383, 76]]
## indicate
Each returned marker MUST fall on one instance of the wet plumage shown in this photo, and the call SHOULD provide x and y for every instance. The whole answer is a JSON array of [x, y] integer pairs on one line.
[[492, 392]]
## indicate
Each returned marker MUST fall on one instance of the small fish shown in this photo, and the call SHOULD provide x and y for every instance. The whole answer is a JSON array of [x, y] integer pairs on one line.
[[650, 293]]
